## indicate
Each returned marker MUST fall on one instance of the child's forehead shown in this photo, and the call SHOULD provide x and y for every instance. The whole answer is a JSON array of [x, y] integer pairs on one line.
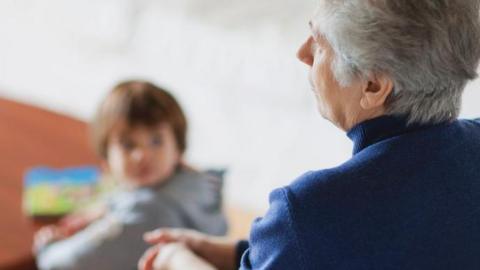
[[125, 129]]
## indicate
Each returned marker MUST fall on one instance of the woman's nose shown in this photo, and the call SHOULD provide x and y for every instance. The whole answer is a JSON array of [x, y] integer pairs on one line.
[[304, 54]]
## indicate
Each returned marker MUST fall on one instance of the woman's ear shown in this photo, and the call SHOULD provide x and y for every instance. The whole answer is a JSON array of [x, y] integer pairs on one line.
[[376, 91]]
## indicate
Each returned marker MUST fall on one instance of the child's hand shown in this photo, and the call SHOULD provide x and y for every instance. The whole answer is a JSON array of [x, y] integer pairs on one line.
[[76, 222], [47, 235]]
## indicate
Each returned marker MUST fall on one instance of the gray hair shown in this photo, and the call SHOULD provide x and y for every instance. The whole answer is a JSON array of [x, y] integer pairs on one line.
[[429, 48]]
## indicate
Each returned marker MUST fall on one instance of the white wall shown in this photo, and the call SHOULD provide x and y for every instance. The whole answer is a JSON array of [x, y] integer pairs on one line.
[[231, 64]]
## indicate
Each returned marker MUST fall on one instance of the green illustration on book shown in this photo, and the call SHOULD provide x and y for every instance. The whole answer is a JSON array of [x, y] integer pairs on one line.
[[52, 192]]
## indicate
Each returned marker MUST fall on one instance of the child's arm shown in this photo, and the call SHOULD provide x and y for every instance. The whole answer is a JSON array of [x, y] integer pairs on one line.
[[113, 242], [68, 226], [75, 222]]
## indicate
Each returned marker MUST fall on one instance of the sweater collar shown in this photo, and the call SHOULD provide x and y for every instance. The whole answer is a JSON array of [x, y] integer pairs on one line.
[[377, 129]]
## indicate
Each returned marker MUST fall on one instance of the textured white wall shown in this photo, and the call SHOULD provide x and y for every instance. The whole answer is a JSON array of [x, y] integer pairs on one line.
[[231, 64]]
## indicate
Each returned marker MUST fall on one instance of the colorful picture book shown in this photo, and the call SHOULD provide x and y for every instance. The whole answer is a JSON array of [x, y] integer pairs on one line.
[[53, 192]]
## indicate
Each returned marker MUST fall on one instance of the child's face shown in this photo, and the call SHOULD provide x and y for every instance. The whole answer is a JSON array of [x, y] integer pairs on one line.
[[143, 156]]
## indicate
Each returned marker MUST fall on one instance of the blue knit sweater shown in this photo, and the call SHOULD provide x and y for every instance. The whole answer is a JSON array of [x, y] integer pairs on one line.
[[409, 198]]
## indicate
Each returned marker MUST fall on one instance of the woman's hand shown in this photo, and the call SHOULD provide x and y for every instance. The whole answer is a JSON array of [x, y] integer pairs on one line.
[[218, 251]]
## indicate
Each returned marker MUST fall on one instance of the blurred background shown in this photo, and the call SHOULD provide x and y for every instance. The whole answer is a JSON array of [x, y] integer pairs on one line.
[[231, 64]]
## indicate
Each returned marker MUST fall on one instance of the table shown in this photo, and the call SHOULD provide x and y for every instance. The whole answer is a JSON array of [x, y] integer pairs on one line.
[[30, 136]]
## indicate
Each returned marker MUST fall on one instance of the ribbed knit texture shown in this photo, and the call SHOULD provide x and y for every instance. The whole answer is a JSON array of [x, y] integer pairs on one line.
[[409, 198]]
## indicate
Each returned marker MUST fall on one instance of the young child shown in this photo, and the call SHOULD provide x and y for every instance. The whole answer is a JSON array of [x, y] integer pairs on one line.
[[140, 133]]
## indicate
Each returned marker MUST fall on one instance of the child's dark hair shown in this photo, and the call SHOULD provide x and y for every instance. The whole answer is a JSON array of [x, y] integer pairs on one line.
[[137, 103]]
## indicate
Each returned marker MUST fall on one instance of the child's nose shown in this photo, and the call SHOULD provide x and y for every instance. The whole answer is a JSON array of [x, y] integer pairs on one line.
[[141, 153]]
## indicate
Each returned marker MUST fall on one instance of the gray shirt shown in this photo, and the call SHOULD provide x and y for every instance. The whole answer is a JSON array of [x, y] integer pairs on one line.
[[188, 200]]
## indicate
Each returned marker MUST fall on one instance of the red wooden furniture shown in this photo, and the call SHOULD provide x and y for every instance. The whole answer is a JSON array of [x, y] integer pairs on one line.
[[31, 136]]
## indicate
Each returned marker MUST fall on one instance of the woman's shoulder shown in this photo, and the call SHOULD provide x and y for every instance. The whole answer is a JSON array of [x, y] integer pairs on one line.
[[322, 178], [323, 187]]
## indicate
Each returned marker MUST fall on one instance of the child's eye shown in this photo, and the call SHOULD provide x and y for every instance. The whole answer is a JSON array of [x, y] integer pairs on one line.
[[127, 145], [156, 140]]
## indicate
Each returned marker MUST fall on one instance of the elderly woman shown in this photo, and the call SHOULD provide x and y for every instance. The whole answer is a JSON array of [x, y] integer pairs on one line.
[[390, 73]]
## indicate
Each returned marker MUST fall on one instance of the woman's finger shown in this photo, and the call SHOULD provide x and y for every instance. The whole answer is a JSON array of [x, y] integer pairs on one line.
[[157, 236], [163, 236], [146, 262]]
